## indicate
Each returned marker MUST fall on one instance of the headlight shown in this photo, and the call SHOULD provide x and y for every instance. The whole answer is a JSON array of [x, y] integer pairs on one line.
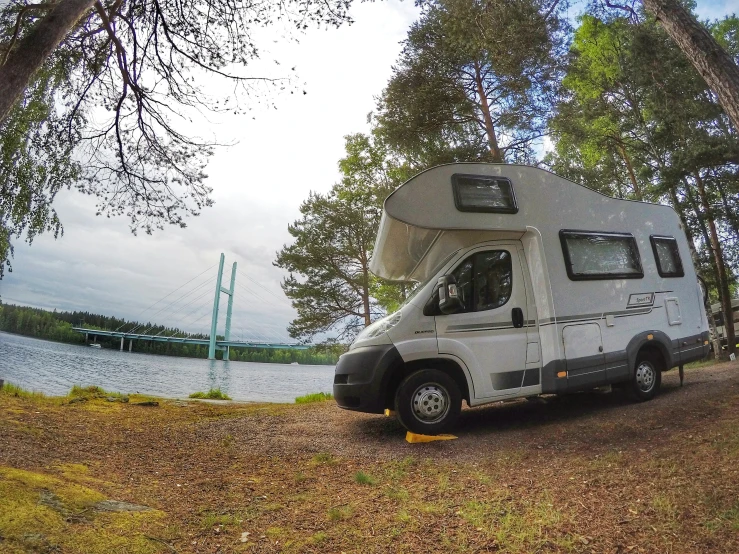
[[379, 327]]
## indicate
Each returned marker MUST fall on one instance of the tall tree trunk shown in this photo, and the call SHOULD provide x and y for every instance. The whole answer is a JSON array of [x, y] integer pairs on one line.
[[728, 210], [33, 50], [487, 118], [365, 289], [723, 284], [713, 63], [712, 261], [627, 160]]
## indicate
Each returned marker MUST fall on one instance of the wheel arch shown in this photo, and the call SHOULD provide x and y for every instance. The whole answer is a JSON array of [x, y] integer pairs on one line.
[[402, 370], [658, 349]]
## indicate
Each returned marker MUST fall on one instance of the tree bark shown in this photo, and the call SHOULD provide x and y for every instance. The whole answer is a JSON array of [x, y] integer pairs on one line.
[[33, 50], [696, 262], [712, 261], [713, 63], [487, 118], [723, 283]]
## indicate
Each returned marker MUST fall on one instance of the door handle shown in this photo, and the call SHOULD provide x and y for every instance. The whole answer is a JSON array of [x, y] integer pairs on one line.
[[517, 317]]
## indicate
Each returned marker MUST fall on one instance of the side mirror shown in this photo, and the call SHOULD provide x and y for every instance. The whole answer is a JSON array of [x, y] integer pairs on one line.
[[449, 301]]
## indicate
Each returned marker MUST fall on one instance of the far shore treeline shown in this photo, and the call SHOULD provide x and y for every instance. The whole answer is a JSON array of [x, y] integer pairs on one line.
[[57, 326]]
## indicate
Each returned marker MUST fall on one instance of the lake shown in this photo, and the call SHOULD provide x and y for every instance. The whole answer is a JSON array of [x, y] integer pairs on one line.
[[52, 368]]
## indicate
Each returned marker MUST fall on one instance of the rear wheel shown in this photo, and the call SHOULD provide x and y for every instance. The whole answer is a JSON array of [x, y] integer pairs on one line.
[[428, 402], [646, 379]]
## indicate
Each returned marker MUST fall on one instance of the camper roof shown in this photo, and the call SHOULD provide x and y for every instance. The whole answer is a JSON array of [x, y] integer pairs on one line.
[[452, 206]]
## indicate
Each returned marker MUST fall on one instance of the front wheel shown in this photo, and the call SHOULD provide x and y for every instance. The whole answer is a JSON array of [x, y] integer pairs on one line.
[[428, 402], [646, 380]]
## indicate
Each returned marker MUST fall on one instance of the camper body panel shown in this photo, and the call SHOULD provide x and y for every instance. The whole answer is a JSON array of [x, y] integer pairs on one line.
[[580, 329]]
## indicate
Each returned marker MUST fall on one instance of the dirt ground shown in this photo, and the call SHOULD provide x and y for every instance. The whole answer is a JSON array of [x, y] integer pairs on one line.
[[581, 473]]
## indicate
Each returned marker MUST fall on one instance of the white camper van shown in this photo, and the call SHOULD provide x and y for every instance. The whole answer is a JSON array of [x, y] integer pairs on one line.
[[531, 284]]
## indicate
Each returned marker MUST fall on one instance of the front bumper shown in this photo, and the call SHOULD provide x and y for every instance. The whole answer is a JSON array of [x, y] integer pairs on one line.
[[361, 377]]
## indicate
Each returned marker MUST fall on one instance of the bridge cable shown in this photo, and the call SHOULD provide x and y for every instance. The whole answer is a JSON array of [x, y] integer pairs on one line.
[[170, 294], [171, 304]]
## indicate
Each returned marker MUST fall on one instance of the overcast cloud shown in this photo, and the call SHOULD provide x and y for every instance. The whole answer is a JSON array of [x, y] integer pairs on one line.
[[258, 185]]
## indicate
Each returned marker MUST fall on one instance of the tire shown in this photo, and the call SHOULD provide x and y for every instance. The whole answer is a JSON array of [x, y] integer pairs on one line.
[[428, 402], [646, 380]]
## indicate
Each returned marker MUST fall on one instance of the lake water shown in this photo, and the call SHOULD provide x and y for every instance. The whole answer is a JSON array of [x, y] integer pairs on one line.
[[52, 368]]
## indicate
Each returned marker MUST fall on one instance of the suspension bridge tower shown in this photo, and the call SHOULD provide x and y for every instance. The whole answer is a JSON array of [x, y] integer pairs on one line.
[[216, 303]]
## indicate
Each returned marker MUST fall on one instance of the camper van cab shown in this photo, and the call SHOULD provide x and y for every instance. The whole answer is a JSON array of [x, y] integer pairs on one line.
[[530, 284]]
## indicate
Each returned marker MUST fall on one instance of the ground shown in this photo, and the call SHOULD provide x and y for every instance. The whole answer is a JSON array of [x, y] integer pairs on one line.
[[581, 473]]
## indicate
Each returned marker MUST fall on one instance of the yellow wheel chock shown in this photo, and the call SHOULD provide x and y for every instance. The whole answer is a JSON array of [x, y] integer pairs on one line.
[[414, 437]]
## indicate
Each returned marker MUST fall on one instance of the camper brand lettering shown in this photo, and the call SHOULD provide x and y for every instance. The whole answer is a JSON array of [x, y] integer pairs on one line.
[[644, 299]]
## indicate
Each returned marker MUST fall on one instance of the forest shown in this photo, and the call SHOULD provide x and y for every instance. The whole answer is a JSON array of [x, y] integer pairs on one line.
[[57, 326]]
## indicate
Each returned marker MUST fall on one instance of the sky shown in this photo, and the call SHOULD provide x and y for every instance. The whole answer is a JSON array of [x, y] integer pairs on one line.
[[277, 157]]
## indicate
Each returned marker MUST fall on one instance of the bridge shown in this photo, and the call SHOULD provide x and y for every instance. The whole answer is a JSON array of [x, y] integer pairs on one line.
[[213, 341]]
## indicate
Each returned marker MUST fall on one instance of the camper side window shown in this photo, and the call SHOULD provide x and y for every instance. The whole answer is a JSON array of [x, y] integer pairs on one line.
[[479, 193], [592, 255], [484, 280], [667, 256]]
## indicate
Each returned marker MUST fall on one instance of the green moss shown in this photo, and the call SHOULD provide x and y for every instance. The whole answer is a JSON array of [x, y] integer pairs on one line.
[[45, 513], [212, 394], [315, 397]]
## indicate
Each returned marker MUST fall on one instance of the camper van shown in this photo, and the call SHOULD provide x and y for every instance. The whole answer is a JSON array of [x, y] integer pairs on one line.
[[529, 284]]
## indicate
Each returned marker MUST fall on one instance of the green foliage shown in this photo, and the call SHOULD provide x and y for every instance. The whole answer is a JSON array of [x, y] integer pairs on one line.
[[314, 397], [637, 121], [115, 92], [212, 394], [35, 158], [461, 90], [329, 283]]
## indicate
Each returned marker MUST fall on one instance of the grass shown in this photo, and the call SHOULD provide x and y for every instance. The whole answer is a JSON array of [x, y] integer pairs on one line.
[[212, 394], [323, 458], [14, 390], [315, 397], [88, 393], [361, 478], [516, 525], [221, 472]]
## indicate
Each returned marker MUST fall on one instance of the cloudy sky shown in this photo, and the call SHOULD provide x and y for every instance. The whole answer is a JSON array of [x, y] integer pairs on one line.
[[259, 182]]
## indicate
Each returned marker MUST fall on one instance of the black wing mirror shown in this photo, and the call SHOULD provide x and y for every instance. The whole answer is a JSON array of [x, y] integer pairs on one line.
[[449, 300]]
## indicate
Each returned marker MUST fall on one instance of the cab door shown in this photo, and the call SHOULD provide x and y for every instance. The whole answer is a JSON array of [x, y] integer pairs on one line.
[[491, 332]]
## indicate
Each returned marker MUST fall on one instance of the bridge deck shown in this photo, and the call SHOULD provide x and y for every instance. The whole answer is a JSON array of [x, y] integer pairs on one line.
[[160, 338]]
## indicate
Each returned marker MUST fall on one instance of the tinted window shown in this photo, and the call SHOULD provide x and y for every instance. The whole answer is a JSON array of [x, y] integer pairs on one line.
[[476, 193], [484, 280], [591, 255], [667, 256]]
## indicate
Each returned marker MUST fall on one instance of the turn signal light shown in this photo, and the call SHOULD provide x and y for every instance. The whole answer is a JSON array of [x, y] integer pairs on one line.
[[562, 374]]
